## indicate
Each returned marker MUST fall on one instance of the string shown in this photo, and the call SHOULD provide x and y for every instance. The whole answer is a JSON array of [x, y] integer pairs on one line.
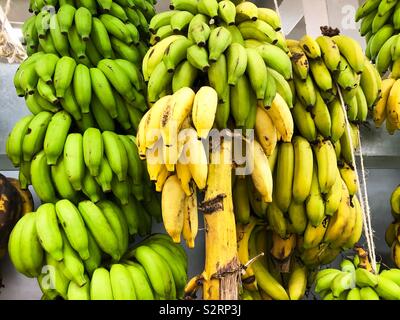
[[363, 197]]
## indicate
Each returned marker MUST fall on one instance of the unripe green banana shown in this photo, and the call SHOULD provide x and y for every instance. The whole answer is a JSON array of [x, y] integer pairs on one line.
[[121, 283], [159, 82], [61, 182], [198, 57], [47, 91], [63, 75], [184, 76], [16, 138], [284, 177], [83, 22], [70, 105], [41, 178], [73, 160], [237, 62], [101, 39], [45, 67], [306, 91], [95, 255], [240, 100], [72, 263], [304, 122], [303, 167], [82, 87], [100, 228], [56, 136], [116, 154], [103, 91], [48, 231], [91, 189], [100, 286], [76, 292]]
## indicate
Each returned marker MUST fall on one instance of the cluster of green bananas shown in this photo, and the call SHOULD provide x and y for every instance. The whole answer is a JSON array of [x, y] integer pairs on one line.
[[89, 33], [237, 50], [273, 276], [355, 282], [109, 96], [380, 24], [322, 66], [60, 164], [67, 248], [387, 108], [392, 235]]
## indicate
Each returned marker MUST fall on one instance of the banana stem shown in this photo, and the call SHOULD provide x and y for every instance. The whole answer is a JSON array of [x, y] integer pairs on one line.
[[222, 265]]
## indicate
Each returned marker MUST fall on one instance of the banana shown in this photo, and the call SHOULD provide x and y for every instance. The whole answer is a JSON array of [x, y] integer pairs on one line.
[[48, 231], [297, 282], [227, 12], [303, 167], [266, 132], [240, 100], [297, 217], [261, 175], [349, 177], [241, 204], [173, 214], [277, 59], [41, 178], [330, 52], [178, 108], [31, 251], [117, 77], [257, 71], [392, 105], [191, 223], [116, 154], [338, 120], [321, 74], [188, 5], [280, 114], [56, 281], [380, 108], [61, 182], [310, 46], [100, 228], [72, 264], [101, 39], [159, 82], [365, 278], [91, 188], [42, 23], [352, 51], [63, 75], [282, 248], [156, 270], [59, 39], [140, 280], [132, 71], [264, 279], [121, 283], [220, 39], [47, 92], [368, 294], [204, 109], [14, 247], [101, 116], [342, 282], [76, 292], [83, 22], [385, 53], [339, 220], [314, 235], [103, 91], [395, 201], [74, 160], [56, 136], [15, 140], [132, 215], [209, 8], [100, 285], [387, 289], [45, 67], [282, 86], [306, 91], [116, 28], [304, 122], [367, 7], [199, 31], [184, 76], [301, 65], [391, 274], [380, 38], [315, 206], [284, 176], [70, 105], [82, 85], [334, 197], [326, 160], [371, 84], [236, 62], [33, 140], [93, 150], [271, 17], [260, 31]]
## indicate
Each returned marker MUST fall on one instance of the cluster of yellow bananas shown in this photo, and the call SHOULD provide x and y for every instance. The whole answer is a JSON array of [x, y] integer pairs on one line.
[[273, 276], [356, 281], [387, 108], [380, 22]]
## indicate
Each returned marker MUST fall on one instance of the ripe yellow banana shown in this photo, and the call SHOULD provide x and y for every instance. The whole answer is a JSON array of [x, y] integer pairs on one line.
[[204, 109]]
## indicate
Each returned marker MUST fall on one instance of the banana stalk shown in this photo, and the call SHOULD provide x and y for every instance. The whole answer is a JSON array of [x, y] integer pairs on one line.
[[222, 266]]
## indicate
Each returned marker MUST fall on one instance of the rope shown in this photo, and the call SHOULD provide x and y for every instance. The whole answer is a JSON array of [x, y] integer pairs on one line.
[[365, 208]]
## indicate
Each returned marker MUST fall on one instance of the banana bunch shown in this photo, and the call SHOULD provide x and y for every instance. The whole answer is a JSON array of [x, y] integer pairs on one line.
[[275, 275], [109, 96], [392, 232], [89, 32], [380, 22], [67, 247], [321, 67], [144, 6], [387, 108], [237, 50], [354, 282], [64, 165]]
